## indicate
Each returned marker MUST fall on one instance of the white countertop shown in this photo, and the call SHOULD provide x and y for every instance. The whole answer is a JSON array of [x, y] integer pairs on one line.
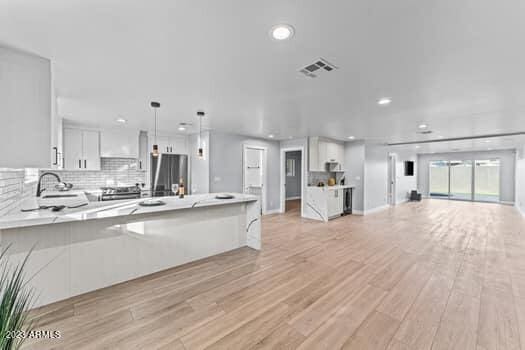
[[101, 210], [332, 188]]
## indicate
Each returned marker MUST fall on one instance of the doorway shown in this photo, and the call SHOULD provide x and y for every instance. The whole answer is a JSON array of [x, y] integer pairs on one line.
[[254, 173], [292, 180]]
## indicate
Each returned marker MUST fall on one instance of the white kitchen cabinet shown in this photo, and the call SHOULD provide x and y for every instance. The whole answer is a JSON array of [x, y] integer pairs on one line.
[[143, 151], [324, 203], [313, 153], [81, 149], [323, 155], [335, 203], [91, 150], [120, 144], [163, 142], [325, 151], [73, 156], [173, 144]]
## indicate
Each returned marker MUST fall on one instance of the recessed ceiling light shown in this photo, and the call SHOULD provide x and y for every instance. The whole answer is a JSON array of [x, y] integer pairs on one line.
[[384, 101], [487, 141], [489, 149], [423, 126], [441, 136], [351, 137], [121, 120], [417, 146], [270, 136], [282, 31], [182, 128]]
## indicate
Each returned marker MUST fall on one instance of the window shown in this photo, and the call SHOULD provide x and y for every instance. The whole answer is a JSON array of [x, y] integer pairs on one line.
[[486, 180], [438, 179], [290, 167], [477, 180]]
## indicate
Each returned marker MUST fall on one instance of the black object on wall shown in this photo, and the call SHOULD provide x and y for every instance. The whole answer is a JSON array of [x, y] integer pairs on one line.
[[409, 168]]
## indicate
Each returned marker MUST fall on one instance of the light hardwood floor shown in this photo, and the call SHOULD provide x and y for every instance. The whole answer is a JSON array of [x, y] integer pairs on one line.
[[436, 274], [293, 207]]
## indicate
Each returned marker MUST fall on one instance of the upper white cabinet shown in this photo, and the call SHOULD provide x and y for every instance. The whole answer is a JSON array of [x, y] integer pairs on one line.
[[143, 151], [174, 144], [121, 144], [81, 149], [313, 154], [325, 154]]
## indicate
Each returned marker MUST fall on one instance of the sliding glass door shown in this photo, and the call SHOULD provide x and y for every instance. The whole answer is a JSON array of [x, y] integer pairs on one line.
[[460, 179], [469, 180], [438, 179], [486, 180]]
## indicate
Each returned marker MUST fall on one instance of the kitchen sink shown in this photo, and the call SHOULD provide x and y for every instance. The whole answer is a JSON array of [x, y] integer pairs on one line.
[[59, 196], [69, 199]]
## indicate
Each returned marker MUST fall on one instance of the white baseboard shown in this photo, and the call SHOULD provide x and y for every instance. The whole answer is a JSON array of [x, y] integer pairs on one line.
[[273, 211], [507, 202], [376, 209], [522, 211], [357, 212], [402, 201], [293, 198]]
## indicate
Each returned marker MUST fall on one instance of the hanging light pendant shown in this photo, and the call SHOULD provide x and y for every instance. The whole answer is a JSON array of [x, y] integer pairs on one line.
[[200, 153], [155, 151]]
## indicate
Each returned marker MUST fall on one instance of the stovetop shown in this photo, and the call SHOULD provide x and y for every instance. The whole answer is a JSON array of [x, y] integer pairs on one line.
[[117, 190]]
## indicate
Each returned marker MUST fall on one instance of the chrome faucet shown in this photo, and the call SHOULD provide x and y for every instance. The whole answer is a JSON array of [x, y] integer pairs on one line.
[[38, 190]]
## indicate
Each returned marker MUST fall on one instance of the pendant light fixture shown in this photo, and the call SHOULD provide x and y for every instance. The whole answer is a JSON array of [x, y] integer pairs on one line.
[[200, 154], [155, 151]]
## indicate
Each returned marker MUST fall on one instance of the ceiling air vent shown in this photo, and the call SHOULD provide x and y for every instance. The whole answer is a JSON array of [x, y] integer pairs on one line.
[[317, 68], [426, 132]]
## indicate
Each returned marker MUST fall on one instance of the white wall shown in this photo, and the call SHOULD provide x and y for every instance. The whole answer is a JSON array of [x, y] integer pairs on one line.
[[25, 110], [376, 177], [200, 168], [520, 181], [226, 165], [507, 169], [354, 164], [405, 184]]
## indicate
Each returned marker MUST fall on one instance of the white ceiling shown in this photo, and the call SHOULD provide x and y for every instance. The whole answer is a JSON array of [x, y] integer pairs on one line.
[[456, 65]]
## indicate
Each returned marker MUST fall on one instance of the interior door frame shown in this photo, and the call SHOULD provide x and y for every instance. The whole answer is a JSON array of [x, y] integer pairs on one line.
[[282, 199], [264, 190], [392, 178]]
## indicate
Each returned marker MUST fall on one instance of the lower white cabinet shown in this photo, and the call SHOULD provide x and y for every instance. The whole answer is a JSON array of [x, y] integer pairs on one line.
[[324, 203], [335, 202]]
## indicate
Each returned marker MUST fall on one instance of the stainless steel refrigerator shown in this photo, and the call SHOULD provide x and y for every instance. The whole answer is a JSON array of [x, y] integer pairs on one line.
[[166, 170]]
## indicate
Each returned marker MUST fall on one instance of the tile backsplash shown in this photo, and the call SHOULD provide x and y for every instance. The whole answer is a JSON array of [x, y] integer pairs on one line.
[[314, 177], [114, 172], [15, 186]]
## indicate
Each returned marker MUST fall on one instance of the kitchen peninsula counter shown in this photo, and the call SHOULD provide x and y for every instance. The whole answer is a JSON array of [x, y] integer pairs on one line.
[[104, 243]]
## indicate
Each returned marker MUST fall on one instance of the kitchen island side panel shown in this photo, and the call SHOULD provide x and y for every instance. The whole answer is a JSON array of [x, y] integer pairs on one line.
[[73, 258]]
